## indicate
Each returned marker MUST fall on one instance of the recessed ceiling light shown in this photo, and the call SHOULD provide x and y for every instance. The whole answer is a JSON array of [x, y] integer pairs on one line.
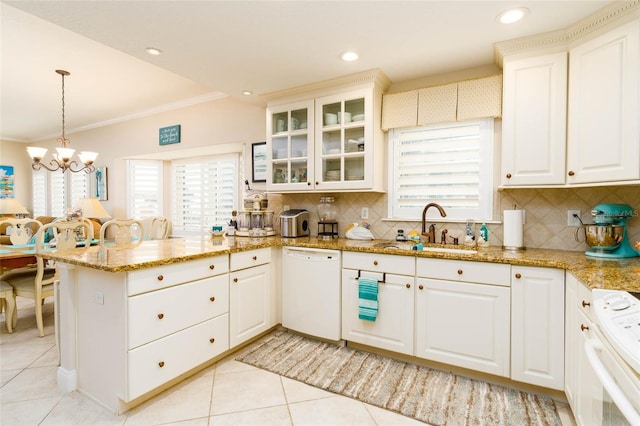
[[513, 15], [153, 51], [247, 92], [349, 56]]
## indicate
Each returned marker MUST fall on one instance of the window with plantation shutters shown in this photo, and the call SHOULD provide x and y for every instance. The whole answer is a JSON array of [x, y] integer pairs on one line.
[[205, 192], [450, 164], [55, 192], [144, 188]]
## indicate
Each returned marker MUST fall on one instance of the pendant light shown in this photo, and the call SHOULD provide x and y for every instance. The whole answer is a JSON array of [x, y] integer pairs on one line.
[[63, 159]]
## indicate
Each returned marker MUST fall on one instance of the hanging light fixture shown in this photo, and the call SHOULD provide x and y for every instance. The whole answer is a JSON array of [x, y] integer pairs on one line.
[[63, 160]]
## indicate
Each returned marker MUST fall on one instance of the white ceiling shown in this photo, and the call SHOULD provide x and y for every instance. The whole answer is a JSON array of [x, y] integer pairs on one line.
[[212, 48]]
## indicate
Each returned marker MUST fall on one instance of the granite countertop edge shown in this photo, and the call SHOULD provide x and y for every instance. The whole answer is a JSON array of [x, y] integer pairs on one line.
[[620, 274]]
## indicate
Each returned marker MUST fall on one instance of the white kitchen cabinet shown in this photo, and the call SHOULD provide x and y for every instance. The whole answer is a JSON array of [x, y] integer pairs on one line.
[[251, 298], [393, 328], [462, 314], [582, 386], [537, 326], [534, 120], [132, 328], [604, 88], [341, 148], [290, 146]]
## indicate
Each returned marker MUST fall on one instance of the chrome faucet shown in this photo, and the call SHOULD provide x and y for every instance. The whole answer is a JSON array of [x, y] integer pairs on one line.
[[431, 235]]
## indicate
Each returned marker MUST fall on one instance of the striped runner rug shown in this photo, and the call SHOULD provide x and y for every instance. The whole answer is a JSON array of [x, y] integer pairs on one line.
[[425, 394]]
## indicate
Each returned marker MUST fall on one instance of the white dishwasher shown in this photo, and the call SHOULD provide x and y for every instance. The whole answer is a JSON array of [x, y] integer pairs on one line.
[[311, 291]]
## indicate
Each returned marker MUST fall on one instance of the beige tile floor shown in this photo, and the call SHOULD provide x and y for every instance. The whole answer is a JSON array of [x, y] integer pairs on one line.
[[227, 393]]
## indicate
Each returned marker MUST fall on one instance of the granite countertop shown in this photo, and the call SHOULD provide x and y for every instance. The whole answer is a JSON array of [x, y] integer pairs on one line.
[[617, 274]]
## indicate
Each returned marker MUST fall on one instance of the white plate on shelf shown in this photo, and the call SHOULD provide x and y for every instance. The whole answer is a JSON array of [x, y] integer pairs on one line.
[[334, 151], [357, 117]]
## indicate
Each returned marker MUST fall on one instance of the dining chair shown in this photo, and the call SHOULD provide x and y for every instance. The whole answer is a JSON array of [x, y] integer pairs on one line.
[[22, 230], [160, 228], [36, 282], [128, 232]]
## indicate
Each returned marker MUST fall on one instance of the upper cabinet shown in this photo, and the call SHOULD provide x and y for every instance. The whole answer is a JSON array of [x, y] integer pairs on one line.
[[330, 143], [534, 120], [574, 121], [604, 107]]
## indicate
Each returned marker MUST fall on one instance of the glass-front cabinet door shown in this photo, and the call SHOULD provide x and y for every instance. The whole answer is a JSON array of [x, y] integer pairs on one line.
[[344, 143], [290, 147]]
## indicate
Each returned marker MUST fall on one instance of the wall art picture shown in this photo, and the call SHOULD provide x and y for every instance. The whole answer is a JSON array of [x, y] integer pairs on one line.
[[6, 182], [101, 183], [259, 161]]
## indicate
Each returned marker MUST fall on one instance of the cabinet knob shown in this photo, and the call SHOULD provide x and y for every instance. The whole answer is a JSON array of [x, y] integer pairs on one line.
[[160, 315], [421, 287], [235, 280], [212, 340], [212, 298], [161, 364], [408, 285], [308, 183], [255, 257], [375, 263], [459, 271], [571, 173], [317, 183], [585, 304], [583, 327], [518, 276], [508, 175], [160, 278], [212, 267]]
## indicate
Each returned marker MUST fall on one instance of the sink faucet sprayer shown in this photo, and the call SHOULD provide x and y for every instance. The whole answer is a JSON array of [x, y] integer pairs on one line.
[[431, 235]]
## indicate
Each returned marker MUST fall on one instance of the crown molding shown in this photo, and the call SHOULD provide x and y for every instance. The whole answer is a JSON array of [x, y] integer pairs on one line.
[[562, 39], [374, 77]]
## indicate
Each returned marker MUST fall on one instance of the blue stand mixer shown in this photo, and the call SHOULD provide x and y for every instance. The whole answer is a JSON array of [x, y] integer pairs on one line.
[[608, 236]]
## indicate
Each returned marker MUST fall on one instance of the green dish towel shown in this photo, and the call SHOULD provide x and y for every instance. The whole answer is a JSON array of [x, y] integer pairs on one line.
[[367, 298]]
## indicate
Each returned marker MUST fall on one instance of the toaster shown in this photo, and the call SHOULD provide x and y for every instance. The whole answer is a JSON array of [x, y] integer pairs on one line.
[[294, 223]]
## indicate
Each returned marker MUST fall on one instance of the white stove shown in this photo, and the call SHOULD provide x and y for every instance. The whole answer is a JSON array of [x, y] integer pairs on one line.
[[618, 315]]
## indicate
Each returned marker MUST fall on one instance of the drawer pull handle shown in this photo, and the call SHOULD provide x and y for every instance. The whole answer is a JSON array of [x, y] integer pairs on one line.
[[518, 276], [235, 280], [375, 263], [212, 266], [585, 304], [583, 327], [212, 340], [408, 285], [459, 271], [255, 257], [160, 278], [571, 173], [160, 315], [421, 287], [212, 298], [161, 364]]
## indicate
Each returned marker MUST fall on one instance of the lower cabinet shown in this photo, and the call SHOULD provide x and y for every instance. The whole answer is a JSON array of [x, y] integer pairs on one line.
[[393, 327], [537, 326], [251, 298], [460, 319]]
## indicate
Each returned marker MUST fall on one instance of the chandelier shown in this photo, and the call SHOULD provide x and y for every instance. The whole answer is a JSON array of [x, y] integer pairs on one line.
[[63, 158]]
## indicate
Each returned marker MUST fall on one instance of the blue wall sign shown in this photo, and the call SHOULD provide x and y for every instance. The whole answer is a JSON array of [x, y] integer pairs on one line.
[[169, 135]]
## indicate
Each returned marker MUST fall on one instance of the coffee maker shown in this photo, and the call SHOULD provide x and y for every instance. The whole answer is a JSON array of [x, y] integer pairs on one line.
[[609, 236], [255, 220]]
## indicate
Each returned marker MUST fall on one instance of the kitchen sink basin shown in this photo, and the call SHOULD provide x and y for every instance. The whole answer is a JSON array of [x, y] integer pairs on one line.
[[449, 250]]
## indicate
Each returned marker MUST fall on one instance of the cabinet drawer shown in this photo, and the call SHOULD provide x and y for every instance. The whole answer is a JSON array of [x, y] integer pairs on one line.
[[247, 259], [175, 273], [463, 270], [156, 363], [156, 314], [402, 265]]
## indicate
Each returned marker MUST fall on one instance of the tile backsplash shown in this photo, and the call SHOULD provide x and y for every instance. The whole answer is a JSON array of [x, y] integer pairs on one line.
[[546, 213]]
